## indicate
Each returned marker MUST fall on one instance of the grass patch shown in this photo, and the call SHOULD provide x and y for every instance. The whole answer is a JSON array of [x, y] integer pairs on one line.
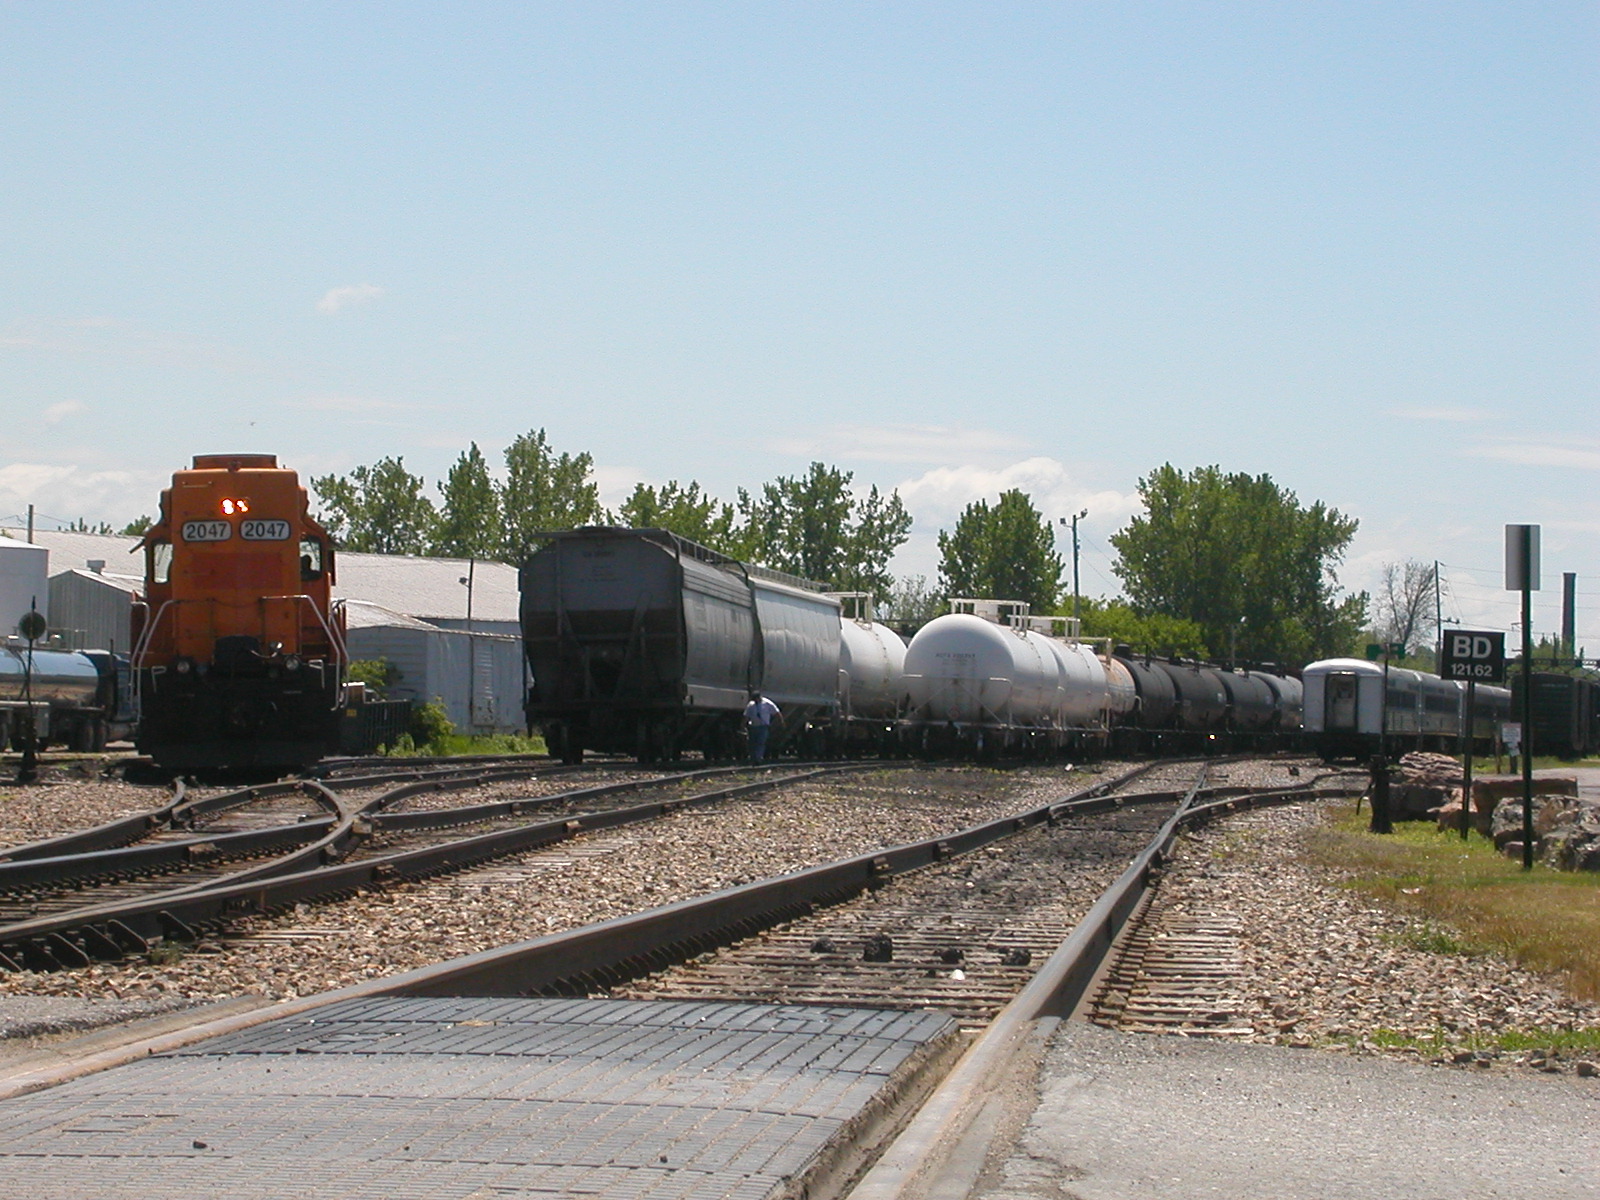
[[1510, 1041], [1471, 898], [454, 745]]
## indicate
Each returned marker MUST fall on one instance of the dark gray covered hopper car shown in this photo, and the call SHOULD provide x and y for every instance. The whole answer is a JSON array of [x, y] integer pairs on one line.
[[643, 643]]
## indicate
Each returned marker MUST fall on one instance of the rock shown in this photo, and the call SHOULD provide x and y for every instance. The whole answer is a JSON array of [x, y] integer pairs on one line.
[[1432, 770], [878, 948], [1488, 793], [1548, 810]]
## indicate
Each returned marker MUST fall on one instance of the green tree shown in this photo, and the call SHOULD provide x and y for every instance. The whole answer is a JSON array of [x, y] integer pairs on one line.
[[813, 526], [1006, 552], [1241, 558], [544, 491], [381, 509], [1150, 633], [83, 526], [685, 511], [881, 527], [910, 602], [802, 524], [137, 527], [469, 517]]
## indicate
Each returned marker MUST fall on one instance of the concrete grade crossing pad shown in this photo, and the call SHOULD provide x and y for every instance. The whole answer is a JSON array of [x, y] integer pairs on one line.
[[463, 1098], [1124, 1116]]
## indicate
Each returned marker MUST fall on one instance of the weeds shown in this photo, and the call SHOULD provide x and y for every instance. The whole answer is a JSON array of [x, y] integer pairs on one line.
[[1472, 898], [1509, 1041]]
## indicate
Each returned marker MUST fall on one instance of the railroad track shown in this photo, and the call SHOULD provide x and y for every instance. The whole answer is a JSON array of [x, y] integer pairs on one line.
[[66, 911]]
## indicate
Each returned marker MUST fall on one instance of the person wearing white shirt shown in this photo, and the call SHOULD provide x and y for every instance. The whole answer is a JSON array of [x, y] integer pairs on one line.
[[758, 717]]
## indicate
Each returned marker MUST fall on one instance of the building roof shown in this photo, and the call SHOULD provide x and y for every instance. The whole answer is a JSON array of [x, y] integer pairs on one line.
[[111, 579], [358, 614], [429, 587], [420, 587]]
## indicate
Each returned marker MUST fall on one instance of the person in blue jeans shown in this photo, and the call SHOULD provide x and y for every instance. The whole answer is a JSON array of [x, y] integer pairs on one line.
[[758, 717]]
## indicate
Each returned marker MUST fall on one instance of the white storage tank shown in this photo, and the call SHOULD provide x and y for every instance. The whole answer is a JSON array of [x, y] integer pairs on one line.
[[872, 667], [964, 669], [24, 581], [1122, 696], [1083, 701]]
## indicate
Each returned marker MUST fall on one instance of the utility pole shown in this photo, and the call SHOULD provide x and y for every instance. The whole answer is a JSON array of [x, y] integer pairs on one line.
[[1076, 517], [1438, 618]]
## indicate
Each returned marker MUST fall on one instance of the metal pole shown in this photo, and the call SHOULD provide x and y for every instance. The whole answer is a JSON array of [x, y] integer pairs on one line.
[[1380, 822], [1569, 615], [1076, 518], [1438, 619], [1466, 759], [1527, 709]]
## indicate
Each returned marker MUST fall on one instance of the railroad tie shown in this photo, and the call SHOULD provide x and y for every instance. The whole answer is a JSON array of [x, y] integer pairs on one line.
[[1176, 974]]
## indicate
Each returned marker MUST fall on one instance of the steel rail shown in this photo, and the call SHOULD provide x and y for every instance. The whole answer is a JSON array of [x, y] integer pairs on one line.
[[329, 838], [110, 931], [671, 932], [101, 837], [940, 1152]]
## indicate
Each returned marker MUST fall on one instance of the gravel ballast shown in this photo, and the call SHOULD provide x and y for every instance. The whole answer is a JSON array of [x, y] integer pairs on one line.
[[1321, 965]]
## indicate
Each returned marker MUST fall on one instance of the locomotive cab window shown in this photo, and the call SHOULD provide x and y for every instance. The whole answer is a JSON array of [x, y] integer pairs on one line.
[[310, 559], [160, 561]]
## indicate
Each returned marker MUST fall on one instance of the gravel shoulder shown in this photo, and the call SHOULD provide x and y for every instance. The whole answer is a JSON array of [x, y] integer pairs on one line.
[[1310, 1105], [1324, 966]]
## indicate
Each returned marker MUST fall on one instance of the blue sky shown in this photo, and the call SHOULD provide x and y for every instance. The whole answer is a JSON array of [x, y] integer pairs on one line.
[[952, 248]]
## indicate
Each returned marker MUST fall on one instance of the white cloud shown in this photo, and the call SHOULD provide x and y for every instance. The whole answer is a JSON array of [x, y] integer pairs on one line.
[[1456, 415], [906, 444], [71, 493], [358, 405], [937, 497], [350, 296], [56, 412], [941, 494], [1581, 453]]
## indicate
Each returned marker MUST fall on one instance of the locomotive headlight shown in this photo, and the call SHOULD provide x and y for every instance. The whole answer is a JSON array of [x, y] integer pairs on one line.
[[291, 662], [233, 506], [184, 666]]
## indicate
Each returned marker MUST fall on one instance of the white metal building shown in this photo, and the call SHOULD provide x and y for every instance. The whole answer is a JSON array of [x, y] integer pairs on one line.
[[478, 677]]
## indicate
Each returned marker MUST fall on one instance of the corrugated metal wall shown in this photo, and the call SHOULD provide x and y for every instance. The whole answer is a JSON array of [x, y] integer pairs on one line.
[[92, 613], [477, 677]]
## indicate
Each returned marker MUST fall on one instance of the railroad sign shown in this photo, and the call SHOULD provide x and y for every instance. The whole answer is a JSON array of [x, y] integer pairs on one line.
[[1475, 655], [1377, 650]]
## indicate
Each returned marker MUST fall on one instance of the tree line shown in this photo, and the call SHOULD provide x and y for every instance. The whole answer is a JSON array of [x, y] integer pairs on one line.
[[1228, 566]]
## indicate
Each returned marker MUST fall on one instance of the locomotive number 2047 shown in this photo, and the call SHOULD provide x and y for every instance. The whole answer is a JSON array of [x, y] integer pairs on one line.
[[264, 531], [207, 531]]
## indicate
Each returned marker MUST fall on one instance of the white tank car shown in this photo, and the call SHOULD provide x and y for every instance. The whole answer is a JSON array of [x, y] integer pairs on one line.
[[1122, 697], [964, 669], [967, 668], [872, 664], [1083, 684]]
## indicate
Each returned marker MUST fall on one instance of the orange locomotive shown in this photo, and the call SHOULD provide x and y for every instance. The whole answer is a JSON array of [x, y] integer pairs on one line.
[[239, 648]]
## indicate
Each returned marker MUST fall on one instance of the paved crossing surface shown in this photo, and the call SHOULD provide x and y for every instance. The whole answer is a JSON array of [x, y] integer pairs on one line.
[[455, 1098]]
